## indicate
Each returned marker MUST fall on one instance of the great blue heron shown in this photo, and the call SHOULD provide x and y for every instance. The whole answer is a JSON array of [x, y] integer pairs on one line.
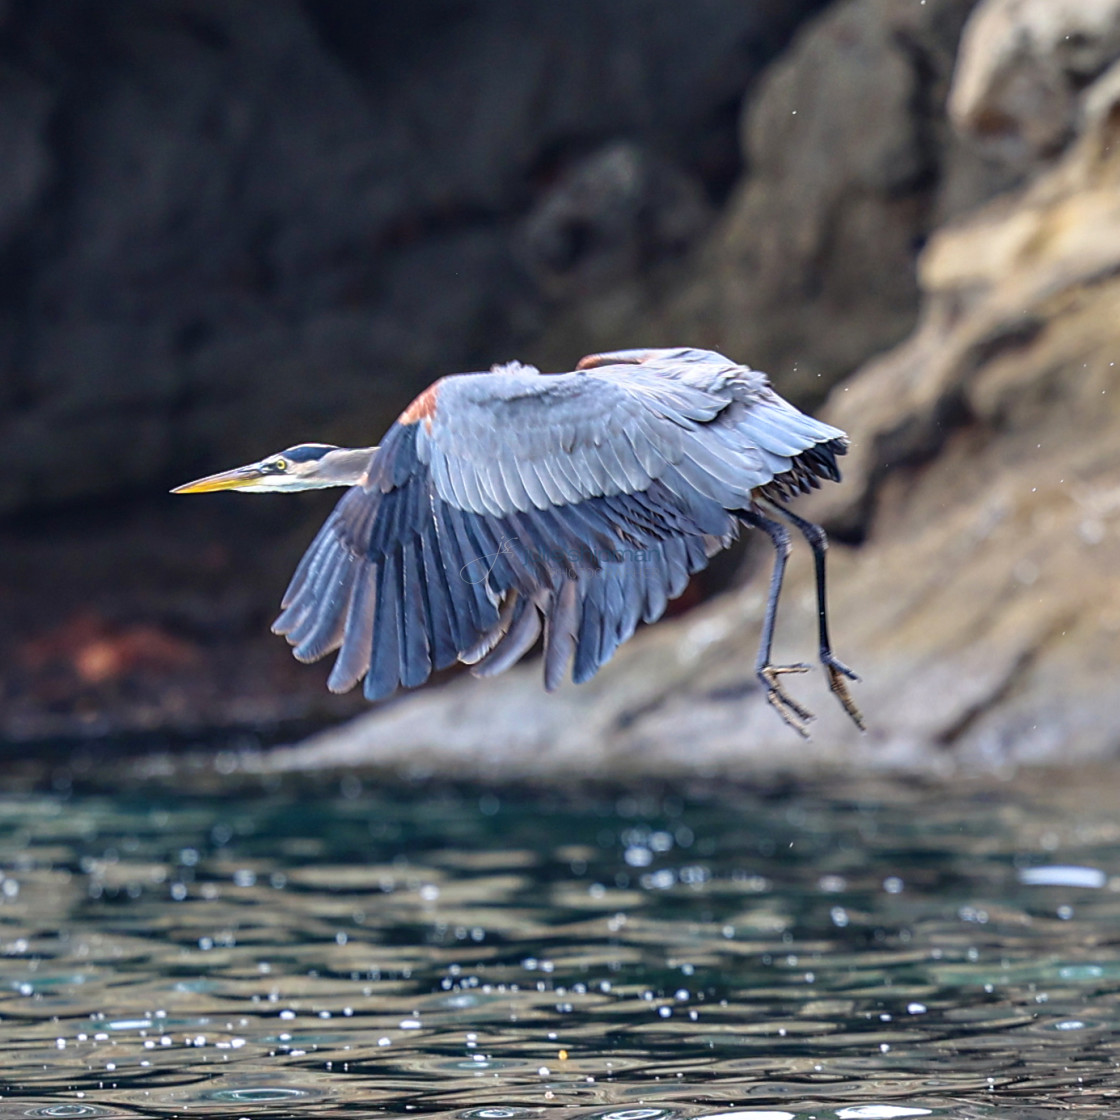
[[585, 499]]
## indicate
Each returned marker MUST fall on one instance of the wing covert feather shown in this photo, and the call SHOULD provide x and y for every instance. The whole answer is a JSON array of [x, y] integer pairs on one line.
[[523, 440]]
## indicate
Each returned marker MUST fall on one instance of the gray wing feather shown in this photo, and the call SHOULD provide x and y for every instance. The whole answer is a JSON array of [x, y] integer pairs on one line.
[[353, 658], [493, 498], [521, 440], [441, 475], [509, 647], [486, 642], [515, 488], [621, 465], [769, 423], [559, 490], [454, 488], [300, 614], [322, 630], [561, 628], [468, 487], [534, 482], [656, 589], [518, 500], [766, 430], [563, 466]]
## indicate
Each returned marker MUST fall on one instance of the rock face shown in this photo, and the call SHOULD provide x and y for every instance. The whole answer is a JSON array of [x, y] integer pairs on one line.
[[611, 215], [982, 608], [849, 166], [1023, 66], [225, 228], [973, 575], [1013, 383]]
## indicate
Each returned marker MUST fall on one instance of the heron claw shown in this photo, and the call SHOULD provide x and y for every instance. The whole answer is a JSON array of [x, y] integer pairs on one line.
[[837, 671], [789, 709]]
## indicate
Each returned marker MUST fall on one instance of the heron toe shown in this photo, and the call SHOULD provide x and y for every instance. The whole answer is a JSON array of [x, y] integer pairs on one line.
[[837, 672], [793, 713]]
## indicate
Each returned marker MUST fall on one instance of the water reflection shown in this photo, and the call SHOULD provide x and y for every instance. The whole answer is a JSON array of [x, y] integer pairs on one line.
[[879, 954]]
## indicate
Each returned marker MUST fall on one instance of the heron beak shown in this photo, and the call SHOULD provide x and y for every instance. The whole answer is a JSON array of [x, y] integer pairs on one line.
[[240, 478]]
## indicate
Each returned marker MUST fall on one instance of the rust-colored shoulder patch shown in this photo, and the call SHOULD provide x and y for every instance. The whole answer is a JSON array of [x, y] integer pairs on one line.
[[613, 358], [423, 408], [590, 361]]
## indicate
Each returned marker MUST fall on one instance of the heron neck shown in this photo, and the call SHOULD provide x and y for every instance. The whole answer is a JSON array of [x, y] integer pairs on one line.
[[345, 466]]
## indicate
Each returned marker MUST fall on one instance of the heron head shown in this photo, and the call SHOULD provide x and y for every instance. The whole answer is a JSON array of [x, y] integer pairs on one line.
[[307, 466]]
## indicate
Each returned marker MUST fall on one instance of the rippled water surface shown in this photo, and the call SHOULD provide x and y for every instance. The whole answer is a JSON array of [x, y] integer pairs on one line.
[[354, 950]]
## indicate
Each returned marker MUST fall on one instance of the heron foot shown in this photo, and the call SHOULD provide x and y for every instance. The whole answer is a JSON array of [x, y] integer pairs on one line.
[[793, 713], [837, 671]]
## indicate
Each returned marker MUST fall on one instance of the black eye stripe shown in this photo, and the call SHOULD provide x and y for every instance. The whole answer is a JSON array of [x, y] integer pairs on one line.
[[306, 452]]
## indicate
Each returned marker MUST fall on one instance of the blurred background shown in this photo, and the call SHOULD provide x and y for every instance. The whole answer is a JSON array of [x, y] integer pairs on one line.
[[227, 227]]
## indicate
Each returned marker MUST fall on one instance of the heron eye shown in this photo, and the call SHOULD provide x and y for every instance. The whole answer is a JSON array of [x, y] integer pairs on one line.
[[279, 464]]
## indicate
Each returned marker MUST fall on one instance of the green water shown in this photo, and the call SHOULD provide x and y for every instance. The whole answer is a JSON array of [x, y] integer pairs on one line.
[[347, 950]]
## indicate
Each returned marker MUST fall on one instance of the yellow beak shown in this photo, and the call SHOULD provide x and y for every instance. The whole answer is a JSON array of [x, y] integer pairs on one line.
[[240, 478]]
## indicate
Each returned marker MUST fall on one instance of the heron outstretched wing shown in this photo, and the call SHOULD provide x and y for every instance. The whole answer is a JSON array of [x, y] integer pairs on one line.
[[517, 439], [583, 500]]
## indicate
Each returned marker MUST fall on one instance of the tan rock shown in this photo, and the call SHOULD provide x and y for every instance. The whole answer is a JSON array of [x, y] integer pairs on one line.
[[1022, 66]]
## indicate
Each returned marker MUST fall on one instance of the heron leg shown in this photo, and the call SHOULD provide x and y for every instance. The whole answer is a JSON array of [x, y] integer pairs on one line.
[[788, 708], [835, 668]]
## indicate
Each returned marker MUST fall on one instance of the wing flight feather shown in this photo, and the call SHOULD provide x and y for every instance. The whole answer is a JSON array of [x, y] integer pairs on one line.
[[357, 645]]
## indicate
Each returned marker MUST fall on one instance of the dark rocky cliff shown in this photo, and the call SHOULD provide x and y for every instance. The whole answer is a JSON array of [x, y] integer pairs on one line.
[[225, 227], [402, 197]]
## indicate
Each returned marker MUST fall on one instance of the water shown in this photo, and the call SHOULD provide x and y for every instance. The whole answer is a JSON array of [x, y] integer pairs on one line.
[[346, 950]]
